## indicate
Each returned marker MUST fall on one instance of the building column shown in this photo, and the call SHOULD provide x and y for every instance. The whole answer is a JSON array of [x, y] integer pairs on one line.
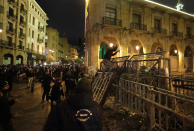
[[181, 62]]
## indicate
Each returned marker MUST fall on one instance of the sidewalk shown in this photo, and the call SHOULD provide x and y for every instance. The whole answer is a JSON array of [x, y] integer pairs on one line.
[[30, 114]]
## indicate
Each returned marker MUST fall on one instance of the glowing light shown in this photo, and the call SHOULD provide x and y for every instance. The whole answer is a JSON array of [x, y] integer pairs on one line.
[[1, 30], [86, 1], [111, 45], [175, 51], [137, 47], [82, 57], [179, 7], [45, 63]]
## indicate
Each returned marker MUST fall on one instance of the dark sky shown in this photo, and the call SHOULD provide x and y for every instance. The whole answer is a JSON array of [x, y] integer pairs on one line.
[[68, 15]]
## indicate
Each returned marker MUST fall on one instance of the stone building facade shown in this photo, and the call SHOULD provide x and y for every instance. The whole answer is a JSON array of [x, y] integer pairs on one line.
[[13, 17], [14, 27], [139, 26], [63, 49], [57, 48], [52, 44], [36, 32]]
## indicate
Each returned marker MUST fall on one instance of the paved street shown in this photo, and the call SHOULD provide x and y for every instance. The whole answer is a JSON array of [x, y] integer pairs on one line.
[[30, 114]]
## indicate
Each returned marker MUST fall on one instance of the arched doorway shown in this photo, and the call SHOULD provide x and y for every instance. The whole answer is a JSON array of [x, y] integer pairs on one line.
[[8, 59], [19, 60], [188, 59], [156, 47], [136, 47], [102, 50], [174, 58]]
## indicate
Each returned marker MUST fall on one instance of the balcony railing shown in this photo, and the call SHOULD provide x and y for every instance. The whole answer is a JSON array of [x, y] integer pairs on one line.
[[177, 34], [40, 40], [1, 9], [112, 21], [22, 35], [189, 36], [11, 17], [161, 31], [24, 11], [1, 25], [20, 47], [40, 28], [22, 23], [13, 2], [7, 44], [138, 26], [11, 31]]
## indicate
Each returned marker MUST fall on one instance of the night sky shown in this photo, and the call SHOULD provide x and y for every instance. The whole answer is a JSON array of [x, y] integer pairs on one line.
[[68, 15]]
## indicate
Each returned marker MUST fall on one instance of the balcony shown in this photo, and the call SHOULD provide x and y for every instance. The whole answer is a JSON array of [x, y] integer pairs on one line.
[[12, 2], [177, 34], [189, 36], [22, 35], [1, 9], [11, 16], [112, 21], [161, 31], [40, 28], [11, 31], [22, 23], [40, 40], [7, 44], [138, 26], [20, 47], [23, 11]]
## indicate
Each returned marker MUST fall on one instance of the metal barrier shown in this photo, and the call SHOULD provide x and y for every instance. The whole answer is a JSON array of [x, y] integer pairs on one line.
[[166, 110], [100, 85]]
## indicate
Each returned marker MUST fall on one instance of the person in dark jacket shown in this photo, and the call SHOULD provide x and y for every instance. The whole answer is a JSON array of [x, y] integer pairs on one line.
[[5, 113], [46, 86], [56, 92], [78, 113]]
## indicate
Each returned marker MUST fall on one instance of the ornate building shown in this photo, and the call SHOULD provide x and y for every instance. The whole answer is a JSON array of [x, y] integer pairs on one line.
[[20, 22], [13, 18], [139, 26], [36, 32], [57, 48]]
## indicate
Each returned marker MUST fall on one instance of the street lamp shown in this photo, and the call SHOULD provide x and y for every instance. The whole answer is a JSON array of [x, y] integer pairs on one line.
[[1, 30], [137, 47], [111, 45], [175, 51]]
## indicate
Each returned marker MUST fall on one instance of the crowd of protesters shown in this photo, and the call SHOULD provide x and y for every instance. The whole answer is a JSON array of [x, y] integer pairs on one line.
[[66, 87]]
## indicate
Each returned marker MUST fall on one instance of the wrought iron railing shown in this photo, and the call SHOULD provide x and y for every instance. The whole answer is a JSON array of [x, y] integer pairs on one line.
[[24, 11], [11, 31], [11, 16], [13, 2], [189, 36], [138, 26], [40, 40], [22, 23], [22, 35], [40, 28], [177, 34], [160, 30], [112, 21]]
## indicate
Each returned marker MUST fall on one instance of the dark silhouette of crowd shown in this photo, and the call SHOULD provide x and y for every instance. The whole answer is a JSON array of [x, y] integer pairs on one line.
[[66, 87]]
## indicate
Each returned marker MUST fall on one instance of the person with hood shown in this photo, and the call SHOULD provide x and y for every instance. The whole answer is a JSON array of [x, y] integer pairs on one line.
[[5, 105], [77, 113]]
